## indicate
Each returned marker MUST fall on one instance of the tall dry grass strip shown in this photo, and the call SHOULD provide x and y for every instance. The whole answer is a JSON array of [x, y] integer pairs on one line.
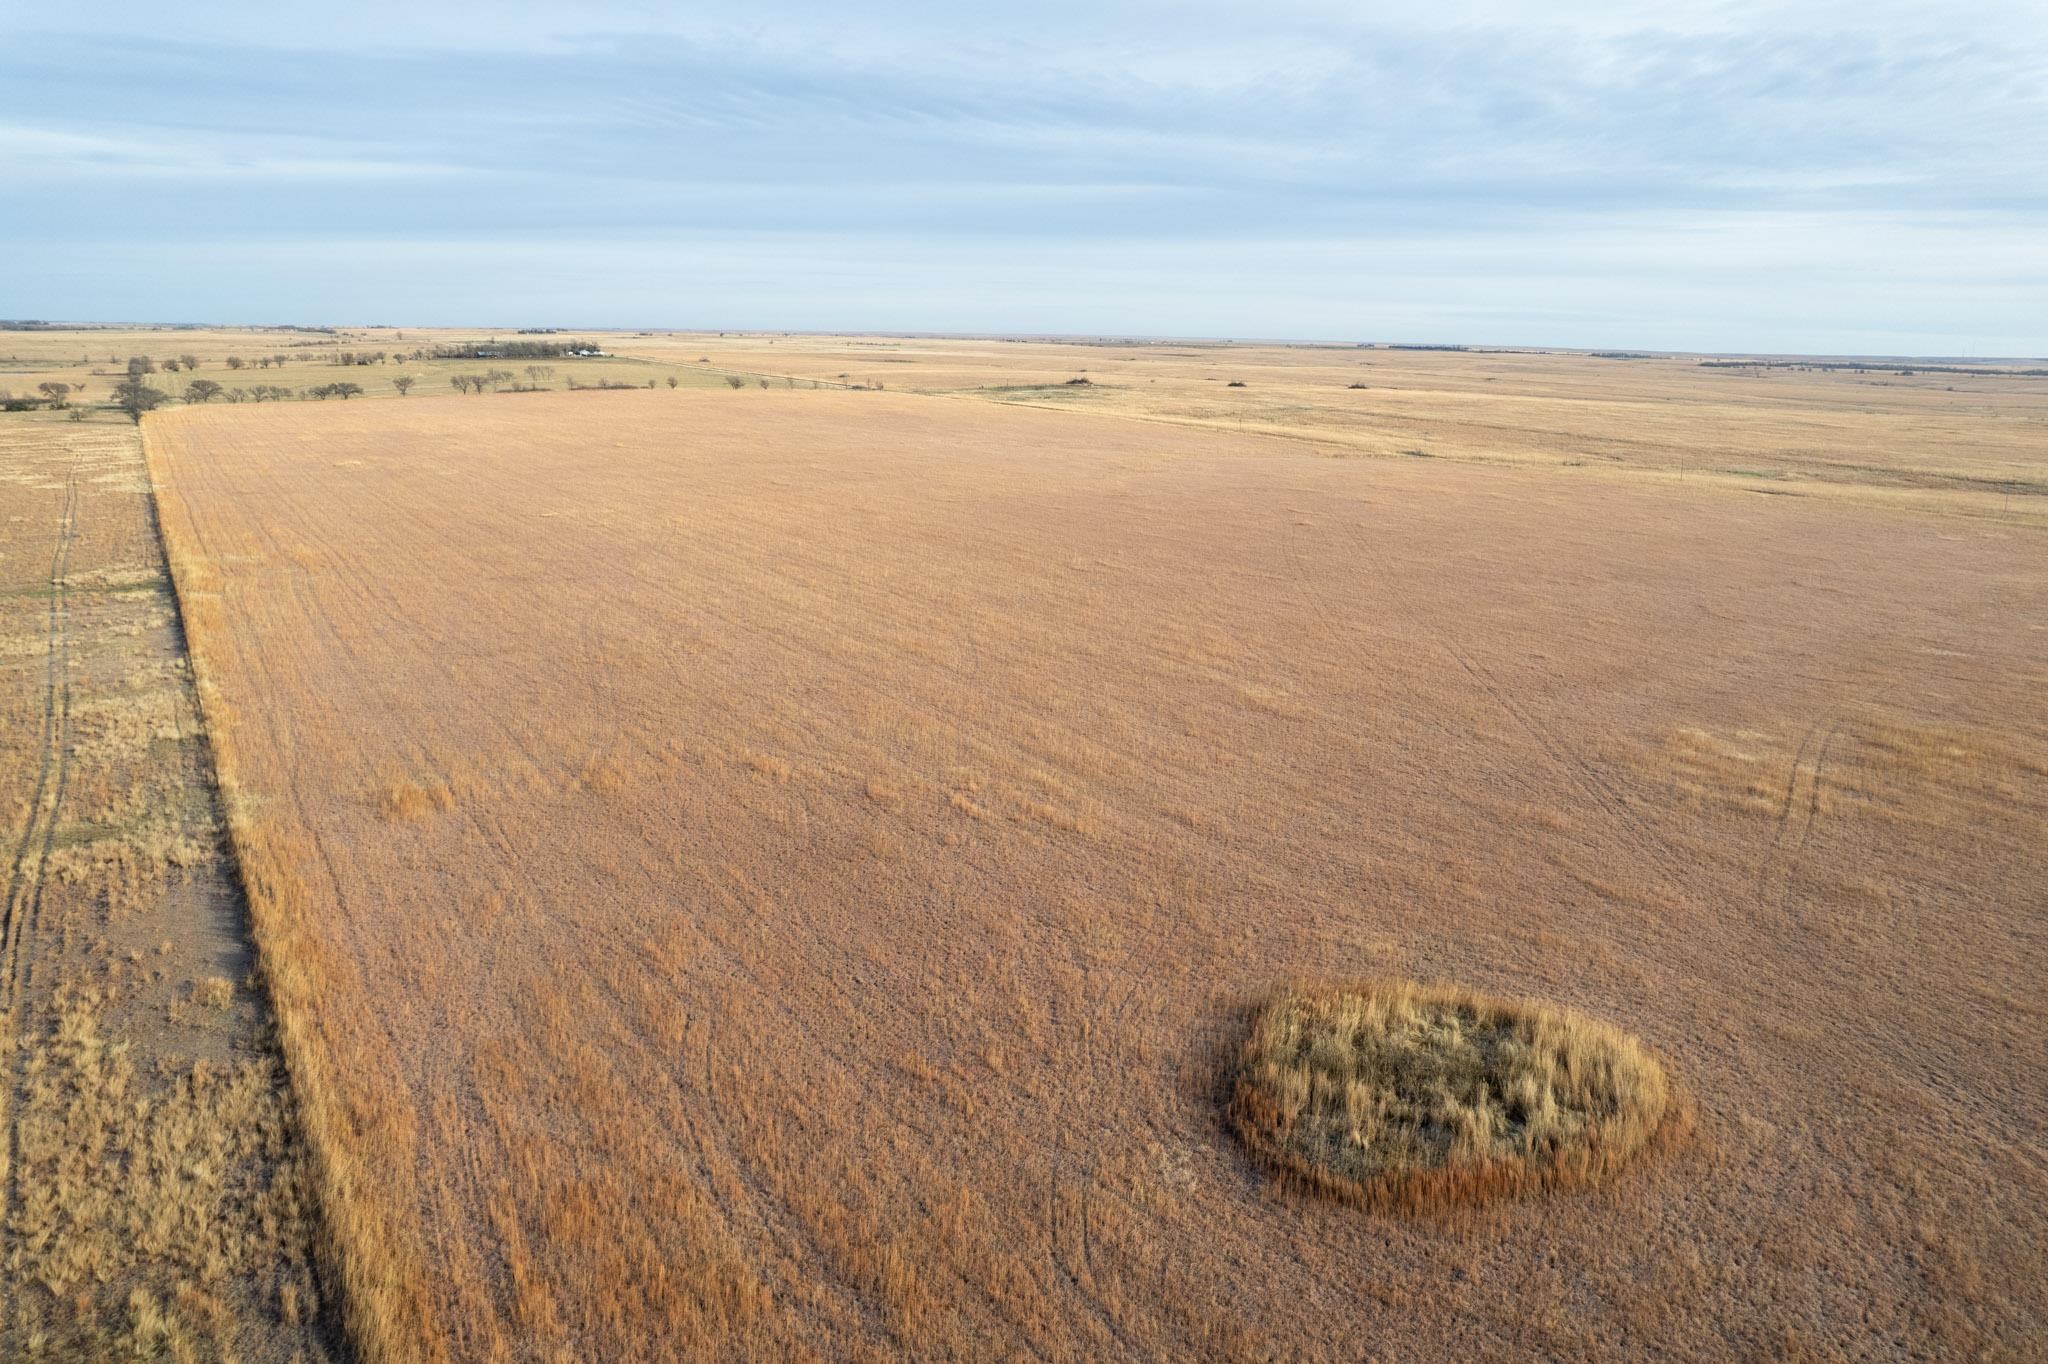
[[365, 1245]]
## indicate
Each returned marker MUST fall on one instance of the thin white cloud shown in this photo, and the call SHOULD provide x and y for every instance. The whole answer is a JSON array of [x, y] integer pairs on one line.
[[29, 153]]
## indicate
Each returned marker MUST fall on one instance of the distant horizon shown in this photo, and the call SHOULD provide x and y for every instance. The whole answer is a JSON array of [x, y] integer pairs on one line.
[[36, 324]]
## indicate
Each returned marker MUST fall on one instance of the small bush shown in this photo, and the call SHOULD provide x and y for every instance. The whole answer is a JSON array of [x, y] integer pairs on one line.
[[215, 992]]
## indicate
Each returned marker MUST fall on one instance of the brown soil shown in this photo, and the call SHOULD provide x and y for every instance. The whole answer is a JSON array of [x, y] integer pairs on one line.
[[785, 873]]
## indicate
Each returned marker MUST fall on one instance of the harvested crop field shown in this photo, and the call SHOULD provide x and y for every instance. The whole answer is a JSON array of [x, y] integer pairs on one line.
[[788, 874]]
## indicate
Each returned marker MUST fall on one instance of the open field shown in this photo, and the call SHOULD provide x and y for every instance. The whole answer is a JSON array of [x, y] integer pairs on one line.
[[154, 1198], [1878, 433], [787, 874], [1961, 437]]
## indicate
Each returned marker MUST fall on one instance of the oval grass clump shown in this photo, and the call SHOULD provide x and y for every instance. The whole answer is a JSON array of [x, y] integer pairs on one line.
[[1399, 1095]]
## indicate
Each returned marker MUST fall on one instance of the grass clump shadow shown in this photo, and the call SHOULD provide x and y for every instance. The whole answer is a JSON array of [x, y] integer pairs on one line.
[[1401, 1097]]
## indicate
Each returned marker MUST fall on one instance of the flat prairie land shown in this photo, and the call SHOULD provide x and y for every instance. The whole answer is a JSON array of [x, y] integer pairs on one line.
[[785, 874], [1887, 432]]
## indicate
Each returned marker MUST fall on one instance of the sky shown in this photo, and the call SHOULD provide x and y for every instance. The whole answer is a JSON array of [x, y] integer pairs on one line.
[[1782, 176]]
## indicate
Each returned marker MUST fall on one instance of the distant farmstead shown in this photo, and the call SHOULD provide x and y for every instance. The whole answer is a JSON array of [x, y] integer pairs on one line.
[[517, 350]]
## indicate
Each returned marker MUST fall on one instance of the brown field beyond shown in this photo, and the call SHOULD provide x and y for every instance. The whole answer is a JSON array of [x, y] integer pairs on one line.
[[785, 874]]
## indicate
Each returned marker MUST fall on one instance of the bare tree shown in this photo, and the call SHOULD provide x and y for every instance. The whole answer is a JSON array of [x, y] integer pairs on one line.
[[539, 372], [345, 391], [201, 391], [55, 392], [139, 365], [736, 380], [403, 383], [135, 398], [171, 366], [672, 381], [234, 362], [191, 361]]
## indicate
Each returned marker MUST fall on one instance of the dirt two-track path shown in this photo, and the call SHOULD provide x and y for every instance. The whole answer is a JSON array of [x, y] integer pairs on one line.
[[154, 1200]]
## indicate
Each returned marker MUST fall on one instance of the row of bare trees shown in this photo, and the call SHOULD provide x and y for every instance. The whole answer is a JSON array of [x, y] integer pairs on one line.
[[135, 397], [172, 364], [477, 383]]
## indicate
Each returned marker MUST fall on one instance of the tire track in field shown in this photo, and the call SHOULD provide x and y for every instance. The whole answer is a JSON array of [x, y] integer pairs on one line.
[[1592, 783], [772, 1222], [1371, 665], [25, 881], [1799, 811], [25, 878], [1078, 1188], [341, 660]]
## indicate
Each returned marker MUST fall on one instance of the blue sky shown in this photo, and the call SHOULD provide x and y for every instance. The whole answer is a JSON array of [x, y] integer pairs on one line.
[[1818, 175]]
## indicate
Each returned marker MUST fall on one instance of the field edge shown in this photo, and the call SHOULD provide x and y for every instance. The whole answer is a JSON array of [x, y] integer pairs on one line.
[[366, 1255]]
